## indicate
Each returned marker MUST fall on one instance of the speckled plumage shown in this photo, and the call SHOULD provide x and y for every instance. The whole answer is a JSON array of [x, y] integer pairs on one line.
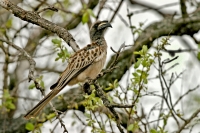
[[85, 64]]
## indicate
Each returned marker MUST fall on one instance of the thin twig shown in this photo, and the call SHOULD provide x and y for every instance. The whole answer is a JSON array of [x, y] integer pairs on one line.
[[31, 62], [188, 121], [59, 119], [48, 8], [116, 10]]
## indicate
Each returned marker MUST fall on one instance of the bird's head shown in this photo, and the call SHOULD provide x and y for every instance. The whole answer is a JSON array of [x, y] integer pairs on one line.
[[98, 28]]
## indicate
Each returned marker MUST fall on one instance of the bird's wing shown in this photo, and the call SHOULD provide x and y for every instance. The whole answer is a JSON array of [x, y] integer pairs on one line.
[[80, 61]]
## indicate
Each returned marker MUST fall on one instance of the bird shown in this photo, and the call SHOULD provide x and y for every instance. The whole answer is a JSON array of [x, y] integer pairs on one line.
[[83, 65]]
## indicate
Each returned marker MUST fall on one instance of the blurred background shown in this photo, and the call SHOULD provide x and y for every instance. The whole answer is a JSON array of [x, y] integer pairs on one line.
[[167, 102]]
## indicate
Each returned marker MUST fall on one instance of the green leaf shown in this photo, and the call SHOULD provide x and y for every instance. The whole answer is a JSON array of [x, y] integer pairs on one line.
[[91, 12], [145, 81], [85, 17], [137, 64], [56, 41], [130, 127], [42, 84], [9, 23], [2, 30], [153, 131], [135, 74], [108, 89], [57, 59], [31, 86], [136, 52], [198, 56], [141, 24], [10, 105], [139, 71], [165, 121], [144, 48], [102, 131], [144, 63], [133, 127], [6, 94], [116, 84], [132, 27], [50, 116], [87, 115], [29, 126], [73, 123]]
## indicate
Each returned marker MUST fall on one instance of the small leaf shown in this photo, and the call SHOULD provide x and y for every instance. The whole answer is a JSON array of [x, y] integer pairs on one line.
[[9, 23], [141, 24], [136, 52], [42, 84], [133, 127], [130, 127], [3, 30], [57, 59], [73, 123], [31, 86], [10, 105], [132, 27], [144, 48], [145, 81], [198, 46], [91, 12], [87, 115], [153, 131], [50, 116], [108, 89], [29, 126], [85, 17], [135, 74], [56, 41], [137, 64], [6, 94], [198, 56]]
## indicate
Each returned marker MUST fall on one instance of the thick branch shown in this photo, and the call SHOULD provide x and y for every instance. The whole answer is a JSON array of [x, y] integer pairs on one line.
[[34, 18]]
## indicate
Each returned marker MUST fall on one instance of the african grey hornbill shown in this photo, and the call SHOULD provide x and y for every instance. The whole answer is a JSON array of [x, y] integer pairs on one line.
[[85, 64]]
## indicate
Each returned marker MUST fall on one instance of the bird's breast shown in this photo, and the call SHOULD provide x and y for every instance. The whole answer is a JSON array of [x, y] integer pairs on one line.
[[94, 69]]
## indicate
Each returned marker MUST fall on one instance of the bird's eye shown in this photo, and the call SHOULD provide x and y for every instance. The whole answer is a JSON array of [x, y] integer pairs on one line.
[[96, 25]]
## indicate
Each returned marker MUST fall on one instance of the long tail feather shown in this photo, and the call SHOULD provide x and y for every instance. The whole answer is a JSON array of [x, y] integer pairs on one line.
[[33, 112]]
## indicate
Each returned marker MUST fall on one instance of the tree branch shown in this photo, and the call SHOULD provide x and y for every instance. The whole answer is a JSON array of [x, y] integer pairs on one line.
[[168, 26], [34, 18], [183, 8]]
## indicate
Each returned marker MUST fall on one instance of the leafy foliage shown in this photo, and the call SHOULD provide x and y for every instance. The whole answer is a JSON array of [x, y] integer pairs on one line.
[[62, 51], [7, 103], [91, 101], [40, 81], [86, 15]]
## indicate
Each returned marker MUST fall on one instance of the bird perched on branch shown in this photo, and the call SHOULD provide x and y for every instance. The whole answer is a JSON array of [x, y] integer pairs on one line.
[[85, 64]]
